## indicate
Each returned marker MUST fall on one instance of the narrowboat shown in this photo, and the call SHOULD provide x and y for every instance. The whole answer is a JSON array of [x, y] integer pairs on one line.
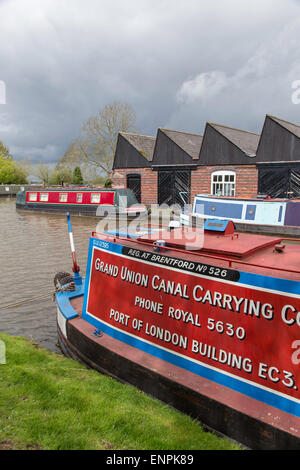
[[81, 200], [263, 215], [208, 323]]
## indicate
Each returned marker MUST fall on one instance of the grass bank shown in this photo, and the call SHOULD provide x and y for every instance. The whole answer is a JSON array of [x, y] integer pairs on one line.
[[50, 402]]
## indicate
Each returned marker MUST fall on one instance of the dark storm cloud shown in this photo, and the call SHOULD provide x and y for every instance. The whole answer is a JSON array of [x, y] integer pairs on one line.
[[178, 65]]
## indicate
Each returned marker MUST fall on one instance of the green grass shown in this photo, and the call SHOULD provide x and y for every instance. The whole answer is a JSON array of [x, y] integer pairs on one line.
[[50, 402]]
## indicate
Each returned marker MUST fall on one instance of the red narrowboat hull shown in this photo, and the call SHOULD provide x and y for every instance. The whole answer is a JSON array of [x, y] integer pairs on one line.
[[83, 201]]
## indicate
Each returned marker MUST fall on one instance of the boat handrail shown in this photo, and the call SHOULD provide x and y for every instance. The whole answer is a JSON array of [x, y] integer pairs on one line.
[[208, 255]]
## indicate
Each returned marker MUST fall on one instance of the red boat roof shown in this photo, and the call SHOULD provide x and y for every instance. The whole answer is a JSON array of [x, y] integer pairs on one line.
[[234, 245]]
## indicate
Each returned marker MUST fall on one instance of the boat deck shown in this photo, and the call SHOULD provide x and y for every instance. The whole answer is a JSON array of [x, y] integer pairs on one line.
[[257, 254]]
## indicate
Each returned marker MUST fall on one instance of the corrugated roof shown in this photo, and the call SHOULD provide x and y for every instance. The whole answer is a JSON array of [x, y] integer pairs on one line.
[[190, 143], [245, 140], [293, 128], [143, 143]]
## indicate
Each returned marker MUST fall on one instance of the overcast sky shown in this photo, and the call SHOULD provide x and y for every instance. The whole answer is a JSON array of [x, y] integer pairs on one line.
[[178, 64]]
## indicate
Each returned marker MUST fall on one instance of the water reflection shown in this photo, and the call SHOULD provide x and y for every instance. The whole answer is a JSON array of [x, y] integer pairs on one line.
[[33, 248]]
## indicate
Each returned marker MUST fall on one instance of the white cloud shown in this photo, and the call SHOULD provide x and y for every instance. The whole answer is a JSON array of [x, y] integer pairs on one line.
[[178, 64], [203, 86], [261, 84]]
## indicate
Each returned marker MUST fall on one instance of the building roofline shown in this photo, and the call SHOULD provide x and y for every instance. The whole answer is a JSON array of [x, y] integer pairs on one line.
[[233, 128], [137, 135], [180, 132]]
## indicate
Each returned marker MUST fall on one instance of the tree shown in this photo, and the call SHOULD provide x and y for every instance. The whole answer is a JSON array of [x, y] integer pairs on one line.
[[60, 176], [4, 151], [108, 183], [73, 156], [10, 171], [77, 176], [97, 141], [43, 171]]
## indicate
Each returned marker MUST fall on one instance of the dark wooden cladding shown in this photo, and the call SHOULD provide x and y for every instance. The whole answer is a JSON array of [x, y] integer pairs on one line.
[[294, 189], [134, 183], [220, 145], [273, 155], [174, 187], [127, 156], [278, 143], [279, 180], [218, 150], [273, 182], [167, 152]]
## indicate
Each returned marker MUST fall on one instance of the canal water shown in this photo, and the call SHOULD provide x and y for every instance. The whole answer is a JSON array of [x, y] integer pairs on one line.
[[33, 248]]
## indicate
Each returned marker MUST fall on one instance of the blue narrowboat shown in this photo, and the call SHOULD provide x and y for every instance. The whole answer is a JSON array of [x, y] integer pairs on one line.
[[264, 215]]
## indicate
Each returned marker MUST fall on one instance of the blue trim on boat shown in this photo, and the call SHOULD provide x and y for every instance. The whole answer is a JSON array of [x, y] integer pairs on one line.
[[63, 301], [268, 282], [104, 245], [216, 225], [219, 209], [250, 212]]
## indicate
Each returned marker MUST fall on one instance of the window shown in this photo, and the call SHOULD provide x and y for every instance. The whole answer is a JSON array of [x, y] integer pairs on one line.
[[95, 198], [79, 197], [223, 183], [32, 197], [63, 197], [44, 197]]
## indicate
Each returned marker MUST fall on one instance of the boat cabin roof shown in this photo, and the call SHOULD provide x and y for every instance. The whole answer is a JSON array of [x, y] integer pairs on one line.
[[75, 188], [261, 254], [236, 245], [248, 199]]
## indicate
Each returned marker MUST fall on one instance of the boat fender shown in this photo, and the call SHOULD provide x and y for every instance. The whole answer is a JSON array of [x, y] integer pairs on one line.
[[64, 282]]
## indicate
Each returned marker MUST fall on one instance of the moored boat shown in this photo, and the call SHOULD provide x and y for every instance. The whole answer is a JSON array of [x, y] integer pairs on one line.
[[263, 215], [206, 321], [81, 200]]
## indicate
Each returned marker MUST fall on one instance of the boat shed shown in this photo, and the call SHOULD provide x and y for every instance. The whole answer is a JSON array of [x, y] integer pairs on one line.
[[227, 162], [132, 160], [175, 157], [278, 159], [174, 166]]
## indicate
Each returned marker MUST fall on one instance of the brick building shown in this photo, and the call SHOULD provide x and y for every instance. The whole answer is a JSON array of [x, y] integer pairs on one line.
[[174, 166]]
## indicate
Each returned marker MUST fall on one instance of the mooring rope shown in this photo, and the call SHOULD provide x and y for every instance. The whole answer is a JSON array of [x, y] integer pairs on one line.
[[22, 302], [65, 288]]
